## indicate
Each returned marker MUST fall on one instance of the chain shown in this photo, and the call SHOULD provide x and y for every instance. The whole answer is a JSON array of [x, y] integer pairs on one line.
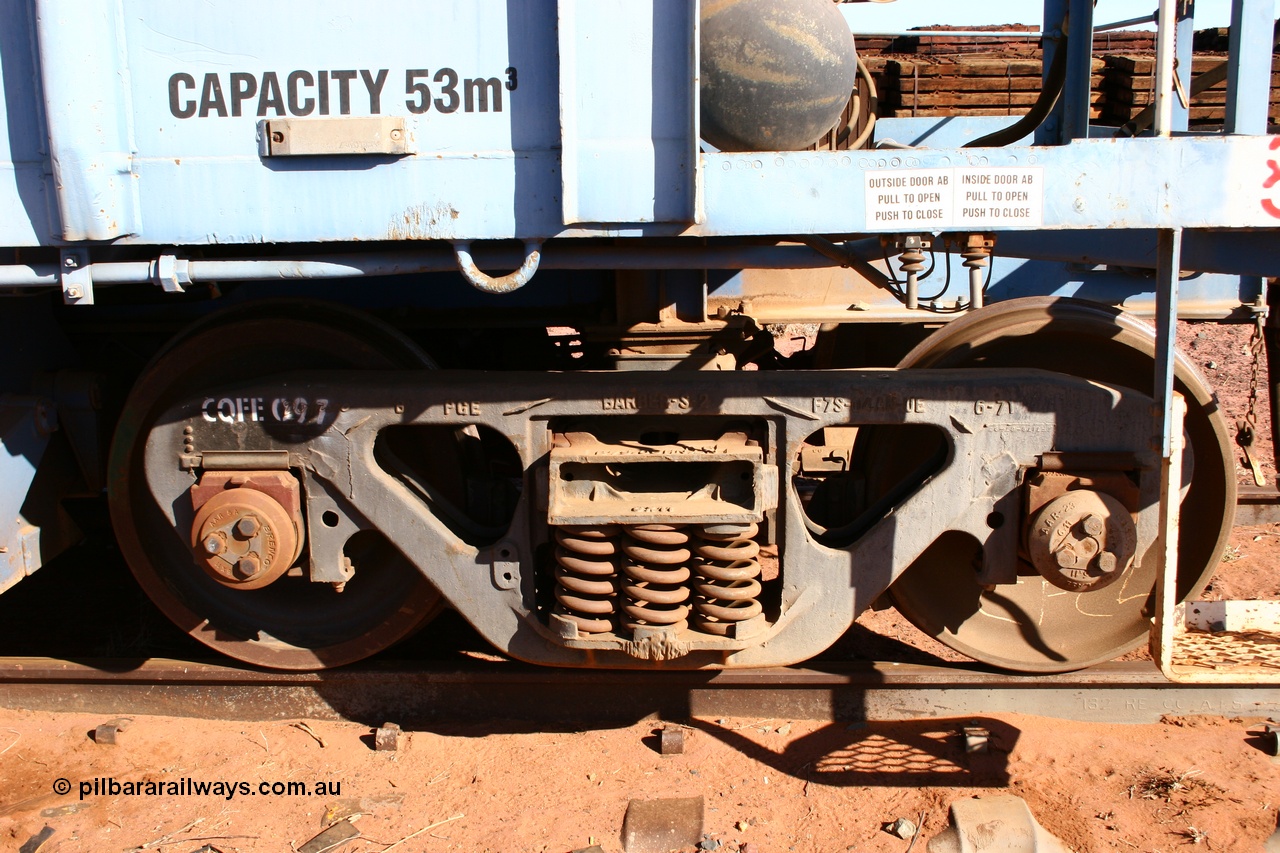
[[1247, 429]]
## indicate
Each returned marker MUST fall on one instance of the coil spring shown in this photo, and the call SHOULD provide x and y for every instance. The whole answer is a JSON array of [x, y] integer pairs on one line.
[[586, 576], [657, 571], [728, 566]]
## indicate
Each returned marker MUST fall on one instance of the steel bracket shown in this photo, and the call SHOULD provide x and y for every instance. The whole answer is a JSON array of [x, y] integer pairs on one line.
[[171, 273], [75, 274]]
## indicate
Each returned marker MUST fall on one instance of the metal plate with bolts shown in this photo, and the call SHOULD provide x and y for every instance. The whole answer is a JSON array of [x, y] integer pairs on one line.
[[322, 137]]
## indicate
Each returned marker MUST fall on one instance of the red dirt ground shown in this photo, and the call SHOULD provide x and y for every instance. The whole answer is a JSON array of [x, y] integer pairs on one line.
[[781, 785]]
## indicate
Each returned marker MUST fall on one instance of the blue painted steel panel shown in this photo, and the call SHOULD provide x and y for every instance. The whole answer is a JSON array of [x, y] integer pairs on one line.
[[475, 82], [478, 86], [88, 107], [25, 425], [628, 110], [1135, 183], [25, 204]]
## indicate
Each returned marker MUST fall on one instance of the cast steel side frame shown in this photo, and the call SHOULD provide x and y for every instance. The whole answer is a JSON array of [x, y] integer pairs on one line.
[[998, 424]]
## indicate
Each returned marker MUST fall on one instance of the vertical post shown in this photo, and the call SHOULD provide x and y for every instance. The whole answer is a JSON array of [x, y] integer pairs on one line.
[[1271, 336], [1168, 258], [1169, 409], [1184, 41], [1076, 94], [1165, 33], [1053, 26], [1249, 66]]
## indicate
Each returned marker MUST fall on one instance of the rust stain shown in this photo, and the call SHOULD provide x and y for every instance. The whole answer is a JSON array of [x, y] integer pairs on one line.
[[806, 40], [715, 7], [755, 71]]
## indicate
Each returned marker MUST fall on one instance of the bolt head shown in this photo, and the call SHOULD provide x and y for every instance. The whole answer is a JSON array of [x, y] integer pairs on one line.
[[248, 566], [69, 262], [214, 544], [247, 526], [74, 292], [1066, 559], [1093, 525], [1107, 562]]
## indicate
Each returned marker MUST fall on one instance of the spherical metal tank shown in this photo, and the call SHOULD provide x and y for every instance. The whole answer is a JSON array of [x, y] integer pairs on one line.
[[776, 74]]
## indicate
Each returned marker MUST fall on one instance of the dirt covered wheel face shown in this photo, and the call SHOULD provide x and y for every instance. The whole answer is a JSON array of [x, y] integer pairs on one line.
[[1034, 625], [290, 622]]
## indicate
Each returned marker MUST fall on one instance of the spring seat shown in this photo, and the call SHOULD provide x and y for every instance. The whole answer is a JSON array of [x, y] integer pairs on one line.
[[586, 576], [656, 566], [727, 567]]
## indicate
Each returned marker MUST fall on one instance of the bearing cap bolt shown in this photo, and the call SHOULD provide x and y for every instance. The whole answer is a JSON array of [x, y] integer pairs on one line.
[[248, 566], [247, 527], [1082, 540], [215, 544]]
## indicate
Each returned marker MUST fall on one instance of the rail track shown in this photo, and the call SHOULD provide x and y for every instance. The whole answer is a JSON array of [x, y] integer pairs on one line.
[[112, 652], [433, 692]]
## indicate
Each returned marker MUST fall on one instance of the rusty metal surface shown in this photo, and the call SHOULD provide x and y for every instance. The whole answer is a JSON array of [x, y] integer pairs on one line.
[[1256, 505], [387, 738], [335, 628], [1089, 341], [1041, 412], [417, 696]]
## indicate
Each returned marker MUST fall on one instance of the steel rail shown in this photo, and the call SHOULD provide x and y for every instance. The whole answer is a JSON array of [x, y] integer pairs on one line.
[[475, 690]]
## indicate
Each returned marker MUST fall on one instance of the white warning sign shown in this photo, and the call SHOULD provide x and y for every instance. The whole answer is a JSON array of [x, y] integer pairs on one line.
[[960, 197], [910, 198]]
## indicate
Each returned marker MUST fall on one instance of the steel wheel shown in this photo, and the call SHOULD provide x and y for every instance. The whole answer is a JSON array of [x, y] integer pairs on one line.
[[293, 623], [1034, 626]]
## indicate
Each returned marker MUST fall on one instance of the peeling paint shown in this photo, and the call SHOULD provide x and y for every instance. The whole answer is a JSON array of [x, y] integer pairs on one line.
[[424, 222]]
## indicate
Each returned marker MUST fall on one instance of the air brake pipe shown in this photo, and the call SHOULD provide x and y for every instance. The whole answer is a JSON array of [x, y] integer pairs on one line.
[[1053, 84], [353, 265], [1131, 22]]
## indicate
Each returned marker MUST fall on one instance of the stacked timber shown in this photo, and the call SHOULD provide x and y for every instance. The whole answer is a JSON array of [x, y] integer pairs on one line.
[[965, 84], [938, 41], [1129, 85], [937, 73]]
